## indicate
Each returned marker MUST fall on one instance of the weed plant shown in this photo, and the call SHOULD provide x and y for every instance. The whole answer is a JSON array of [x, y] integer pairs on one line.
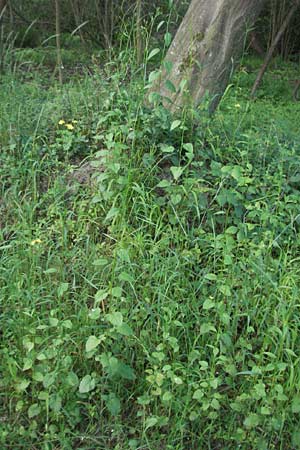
[[156, 303]]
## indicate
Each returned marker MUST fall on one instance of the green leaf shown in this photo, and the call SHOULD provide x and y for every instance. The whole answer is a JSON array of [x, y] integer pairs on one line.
[[55, 403], [87, 384], [23, 385], [207, 328], [113, 404], [115, 318], [210, 276], [167, 39], [100, 262], [167, 396], [116, 292], [176, 172], [72, 379], [176, 199], [95, 313], [101, 295], [125, 330], [175, 124], [153, 53], [113, 212], [49, 379], [150, 422], [62, 289], [252, 421], [91, 343], [208, 304], [296, 404], [34, 410], [170, 86], [198, 394]]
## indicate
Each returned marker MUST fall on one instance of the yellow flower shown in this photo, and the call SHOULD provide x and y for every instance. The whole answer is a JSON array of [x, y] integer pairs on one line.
[[69, 126], [35, 242], [61, 122], [237, 105]]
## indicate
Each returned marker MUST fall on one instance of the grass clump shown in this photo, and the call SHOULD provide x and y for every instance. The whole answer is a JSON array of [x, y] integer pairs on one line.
[[154, 303]]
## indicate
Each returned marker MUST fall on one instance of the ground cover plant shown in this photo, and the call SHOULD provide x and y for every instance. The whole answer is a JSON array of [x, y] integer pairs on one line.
[[149, 265]]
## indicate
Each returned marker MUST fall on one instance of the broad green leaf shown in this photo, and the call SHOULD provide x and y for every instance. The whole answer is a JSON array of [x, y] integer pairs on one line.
[[87, 384], [115, 318], [91, 343], [62, 289], [252, 421], [116, 292], [34, 410], [150, 422], [175, 124], [198, 394], [153, 53], [170, 86], [55, 403], [72, 379], [113, 404], [176, 172], [208, 304], [125, 330], [49, 379], [95, 313], [296, 404]]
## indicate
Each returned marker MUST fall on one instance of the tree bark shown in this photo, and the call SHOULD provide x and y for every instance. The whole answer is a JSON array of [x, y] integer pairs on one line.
[[273, 47], [204, 51]]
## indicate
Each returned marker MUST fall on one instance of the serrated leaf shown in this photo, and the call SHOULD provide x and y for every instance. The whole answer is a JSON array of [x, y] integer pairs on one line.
[[175, 124], [91, 343]]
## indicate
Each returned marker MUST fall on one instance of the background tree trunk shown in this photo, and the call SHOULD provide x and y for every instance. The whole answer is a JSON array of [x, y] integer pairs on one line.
[[58, 45], [204, 50], [273, 46]]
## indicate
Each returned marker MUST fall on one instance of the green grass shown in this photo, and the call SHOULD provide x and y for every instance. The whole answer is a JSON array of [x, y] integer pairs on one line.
[[156, 306]]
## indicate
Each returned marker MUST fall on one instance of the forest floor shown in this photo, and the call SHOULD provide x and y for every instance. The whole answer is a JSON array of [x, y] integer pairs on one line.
[[149, 265]]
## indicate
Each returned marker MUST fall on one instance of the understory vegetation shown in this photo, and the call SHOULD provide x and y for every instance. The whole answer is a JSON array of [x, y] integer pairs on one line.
[[149, 264]]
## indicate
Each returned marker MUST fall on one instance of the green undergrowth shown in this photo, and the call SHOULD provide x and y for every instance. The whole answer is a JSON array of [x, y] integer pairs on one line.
[[149, 298]]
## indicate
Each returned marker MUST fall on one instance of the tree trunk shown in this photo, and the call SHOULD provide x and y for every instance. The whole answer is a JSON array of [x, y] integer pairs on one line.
[[58, 45], [204, 51], [273, 46], [2, 7]]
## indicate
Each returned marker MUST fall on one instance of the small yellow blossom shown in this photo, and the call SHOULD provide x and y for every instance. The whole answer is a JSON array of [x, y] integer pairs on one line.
[[69, 126], [237, 105], [35, 242], [61, 122]]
